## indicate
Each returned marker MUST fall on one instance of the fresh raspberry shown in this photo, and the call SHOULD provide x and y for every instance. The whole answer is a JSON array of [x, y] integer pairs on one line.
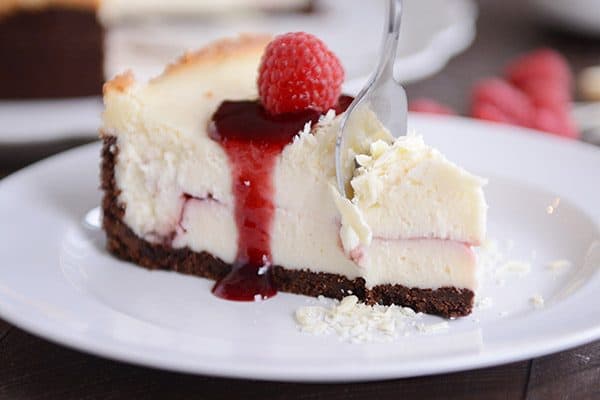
[[489, 112], [543, 64], [496, 100], [545, 78], [512, 103], [430, 106], [298, 72], [546, 94], [556, 122], [535, 94]]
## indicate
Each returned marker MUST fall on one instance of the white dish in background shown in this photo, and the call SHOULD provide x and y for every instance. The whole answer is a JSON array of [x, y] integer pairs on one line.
[[575, 15], [59, 282], [432, 32], [35, 121]]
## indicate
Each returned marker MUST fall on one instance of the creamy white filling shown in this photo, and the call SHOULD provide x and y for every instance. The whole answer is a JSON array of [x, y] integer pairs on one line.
[[307, 222], [208, 225], [403, 190], [421, 263], [407, 189], [300, 242]]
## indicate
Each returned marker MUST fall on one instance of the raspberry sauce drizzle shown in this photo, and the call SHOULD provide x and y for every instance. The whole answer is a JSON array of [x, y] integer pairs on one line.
[[252, 140]]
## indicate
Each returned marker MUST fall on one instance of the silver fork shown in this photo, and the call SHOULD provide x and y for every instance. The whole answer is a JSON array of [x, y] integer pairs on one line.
[[382, 94]]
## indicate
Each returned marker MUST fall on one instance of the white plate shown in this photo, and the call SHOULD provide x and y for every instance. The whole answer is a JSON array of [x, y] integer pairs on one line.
[[432, 32], [57, 281]]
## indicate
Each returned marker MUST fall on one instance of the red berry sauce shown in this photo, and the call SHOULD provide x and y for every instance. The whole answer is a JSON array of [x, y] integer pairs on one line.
[[252, 139]]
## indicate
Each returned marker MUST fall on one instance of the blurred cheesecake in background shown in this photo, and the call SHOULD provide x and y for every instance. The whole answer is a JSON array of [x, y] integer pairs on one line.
[[50, 49], [66, 48]]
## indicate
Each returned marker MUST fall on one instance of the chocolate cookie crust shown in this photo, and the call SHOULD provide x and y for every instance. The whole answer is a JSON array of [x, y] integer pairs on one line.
[[124, 243]]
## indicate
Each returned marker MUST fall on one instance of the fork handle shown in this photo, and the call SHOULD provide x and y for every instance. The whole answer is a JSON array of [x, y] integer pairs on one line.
[[394, 16], [390, 45]]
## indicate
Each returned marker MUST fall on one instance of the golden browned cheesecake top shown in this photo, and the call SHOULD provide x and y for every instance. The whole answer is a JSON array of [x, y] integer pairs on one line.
[[220, 49], [215, 52]]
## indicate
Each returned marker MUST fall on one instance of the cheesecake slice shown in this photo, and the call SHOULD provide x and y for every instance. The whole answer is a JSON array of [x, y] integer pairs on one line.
[[198, 179]]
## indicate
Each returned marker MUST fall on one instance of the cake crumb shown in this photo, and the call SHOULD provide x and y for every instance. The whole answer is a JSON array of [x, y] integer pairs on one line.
[[357, 322], [483, 303], [521, 268], [560, 264], [537, 300], [307, 129], [440, 326], [327, 117], [583, 357], [553, 206], [497, 266]]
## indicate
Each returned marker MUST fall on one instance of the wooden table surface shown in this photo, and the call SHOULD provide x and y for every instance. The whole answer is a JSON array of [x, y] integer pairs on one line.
[[33, 368]]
